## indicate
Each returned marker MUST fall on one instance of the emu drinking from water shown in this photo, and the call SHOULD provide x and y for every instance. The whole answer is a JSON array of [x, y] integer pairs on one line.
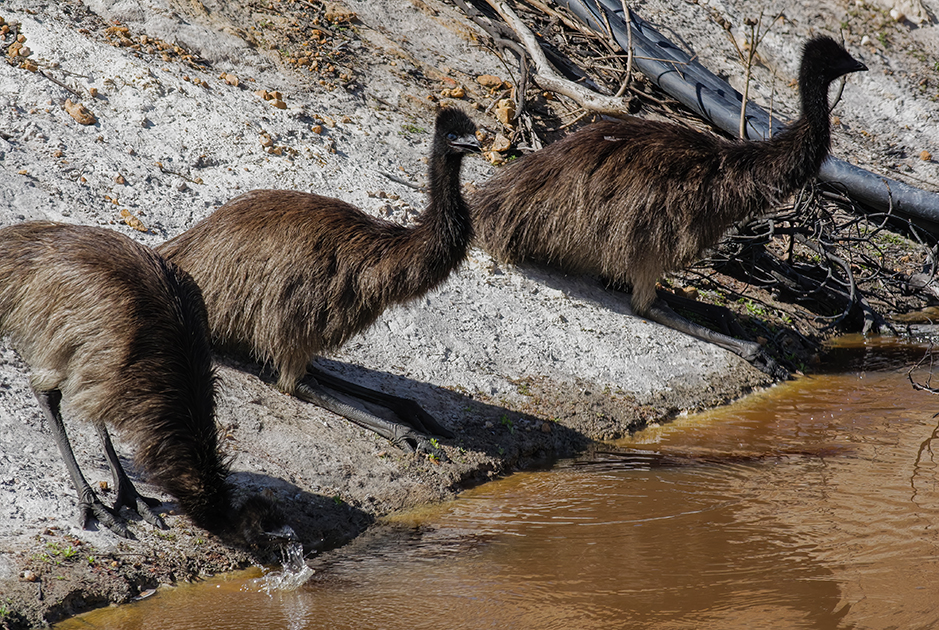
[[120, 335]]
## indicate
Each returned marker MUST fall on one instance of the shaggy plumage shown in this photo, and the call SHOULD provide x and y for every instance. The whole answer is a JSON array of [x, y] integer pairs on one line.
[[630, 200], [289, 275], [120, 335]]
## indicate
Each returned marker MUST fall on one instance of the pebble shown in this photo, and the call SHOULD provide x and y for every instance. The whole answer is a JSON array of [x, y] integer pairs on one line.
[[29, 576], [80, 113], [500, 143], [490, 81], [925, 156], [133, 221], [505, 111]]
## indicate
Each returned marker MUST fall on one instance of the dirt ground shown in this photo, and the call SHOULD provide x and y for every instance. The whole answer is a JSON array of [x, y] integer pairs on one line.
[[524, 365]]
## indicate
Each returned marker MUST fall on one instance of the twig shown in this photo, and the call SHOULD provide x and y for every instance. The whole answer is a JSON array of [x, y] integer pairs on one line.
[[403, 182], [548, 78], [627, 17]]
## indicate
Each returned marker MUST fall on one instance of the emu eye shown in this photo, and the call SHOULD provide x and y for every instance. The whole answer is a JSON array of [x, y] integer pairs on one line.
[[452, 137]]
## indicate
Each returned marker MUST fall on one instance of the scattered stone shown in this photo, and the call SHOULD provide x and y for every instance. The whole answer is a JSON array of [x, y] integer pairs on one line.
[[80, 113], [133, 221], [505, 111], [489, 81], [500, 143], [229, 78], [690, 293], [266, 140], [925, 156], [317, 129], [29, 576], [336, 13], [120, 180], [279, 104]]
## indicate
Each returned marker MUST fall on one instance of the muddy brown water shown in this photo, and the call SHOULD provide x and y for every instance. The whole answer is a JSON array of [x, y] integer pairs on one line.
[[812, 505]]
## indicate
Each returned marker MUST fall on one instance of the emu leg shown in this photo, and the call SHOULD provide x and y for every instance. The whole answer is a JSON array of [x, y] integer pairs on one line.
[[89, 506], [408, 410], [127, 495], [402, 436], [750, 351]]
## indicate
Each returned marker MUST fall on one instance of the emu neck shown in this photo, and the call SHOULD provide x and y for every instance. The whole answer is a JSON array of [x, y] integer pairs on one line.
[[444, 227], [795, 155]]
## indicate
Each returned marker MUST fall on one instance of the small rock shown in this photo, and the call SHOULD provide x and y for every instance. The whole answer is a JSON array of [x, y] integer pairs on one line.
[[925, 156], [505, 111], [897, 15], [133, 221], [687, 292], [80, 113], [279, 104], [335, 12], [546, 427], [865, 41], [317, 129], [500, 143], [266, 140], [120, 180], [490, 81], [29, 576]]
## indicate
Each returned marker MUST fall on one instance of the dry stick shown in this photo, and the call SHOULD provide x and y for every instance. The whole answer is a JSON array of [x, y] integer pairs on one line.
[[627, 17], [548, 78]]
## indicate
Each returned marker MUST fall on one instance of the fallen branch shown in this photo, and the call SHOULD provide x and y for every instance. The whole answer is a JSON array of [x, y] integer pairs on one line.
[[547, 77]]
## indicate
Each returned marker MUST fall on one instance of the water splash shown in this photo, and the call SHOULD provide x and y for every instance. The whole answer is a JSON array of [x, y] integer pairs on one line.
[[293, 575]]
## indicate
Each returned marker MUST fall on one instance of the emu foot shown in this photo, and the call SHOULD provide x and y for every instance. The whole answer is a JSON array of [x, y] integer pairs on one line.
[[127, 496], [412, 441], [766, 364], [412, 413], [90, 508]]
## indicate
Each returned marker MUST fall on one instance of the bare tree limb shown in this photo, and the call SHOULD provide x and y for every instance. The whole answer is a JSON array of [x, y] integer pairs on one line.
[[549, 79]]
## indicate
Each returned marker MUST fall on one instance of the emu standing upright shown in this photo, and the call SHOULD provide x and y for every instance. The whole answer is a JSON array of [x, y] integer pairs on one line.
[[287, 275], [632, 199], [120, 335]]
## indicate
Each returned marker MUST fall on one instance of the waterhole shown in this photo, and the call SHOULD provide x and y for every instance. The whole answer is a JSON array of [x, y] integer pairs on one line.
[[812, 505]]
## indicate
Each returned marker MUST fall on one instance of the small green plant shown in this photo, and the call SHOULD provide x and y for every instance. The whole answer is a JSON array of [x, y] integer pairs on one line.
[[507, 422], [412, 128], [434, 442], [91, 560], [337, 499], [501, 451], [882, 38], [433, 458], [525, 390]]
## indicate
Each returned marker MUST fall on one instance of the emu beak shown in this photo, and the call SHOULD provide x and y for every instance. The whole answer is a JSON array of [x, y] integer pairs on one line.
[[281, 535], [466, 144]]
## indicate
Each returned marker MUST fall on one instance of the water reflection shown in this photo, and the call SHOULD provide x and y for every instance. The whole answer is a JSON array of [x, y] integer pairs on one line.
[[813, 505]]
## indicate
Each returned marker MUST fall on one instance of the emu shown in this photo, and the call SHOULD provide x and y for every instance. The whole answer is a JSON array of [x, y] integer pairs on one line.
[[630, 200], [120, 335], [289, 275]]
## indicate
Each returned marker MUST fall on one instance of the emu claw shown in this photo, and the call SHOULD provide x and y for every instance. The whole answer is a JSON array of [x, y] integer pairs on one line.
[[90, 509], [412, 441], [766, 364], [127, 496]]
